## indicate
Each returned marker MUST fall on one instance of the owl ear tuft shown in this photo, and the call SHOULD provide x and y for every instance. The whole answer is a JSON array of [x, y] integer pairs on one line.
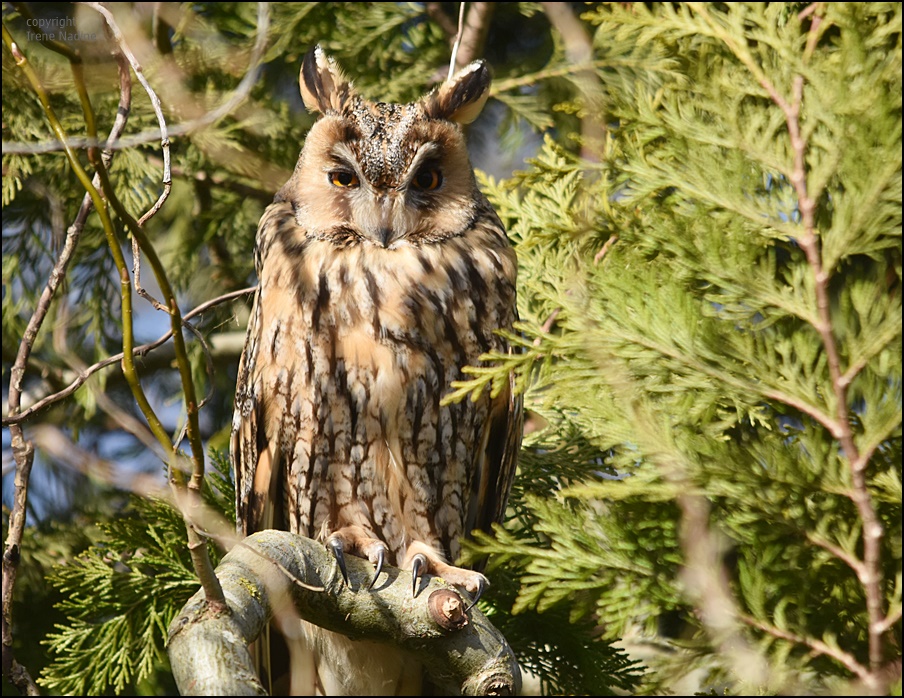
[[324, 88], [461, 99]]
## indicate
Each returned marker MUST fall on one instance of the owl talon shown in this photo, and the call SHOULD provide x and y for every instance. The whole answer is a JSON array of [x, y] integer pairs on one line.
[[481, 586], [380, 554], [336, 548], [418, 567]]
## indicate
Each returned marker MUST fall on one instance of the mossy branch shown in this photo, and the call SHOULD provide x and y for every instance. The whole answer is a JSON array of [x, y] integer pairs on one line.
[[462, 652]]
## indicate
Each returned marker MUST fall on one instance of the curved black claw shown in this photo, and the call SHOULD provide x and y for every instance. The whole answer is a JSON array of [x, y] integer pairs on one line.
[[418, 563], [336, 548], [481, 586], [381, 558]]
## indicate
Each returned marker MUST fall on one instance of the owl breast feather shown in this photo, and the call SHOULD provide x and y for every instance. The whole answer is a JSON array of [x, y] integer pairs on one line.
[[358, 346]]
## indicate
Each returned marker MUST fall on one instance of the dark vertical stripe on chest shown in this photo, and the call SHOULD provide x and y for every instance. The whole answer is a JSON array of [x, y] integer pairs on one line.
[[323, 300]]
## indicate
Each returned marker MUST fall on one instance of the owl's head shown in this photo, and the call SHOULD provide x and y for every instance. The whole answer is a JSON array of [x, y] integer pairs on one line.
[[385, 174]]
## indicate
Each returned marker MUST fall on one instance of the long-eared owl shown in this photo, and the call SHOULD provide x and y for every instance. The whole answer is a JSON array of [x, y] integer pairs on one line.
[[383, 272]]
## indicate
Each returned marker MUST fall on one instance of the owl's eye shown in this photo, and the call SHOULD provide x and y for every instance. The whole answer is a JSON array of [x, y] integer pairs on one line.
[[428, 179], [344, 178]]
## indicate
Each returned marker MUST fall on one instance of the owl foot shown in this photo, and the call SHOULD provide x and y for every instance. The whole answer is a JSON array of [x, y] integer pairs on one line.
[[354, 540], [423, 559]]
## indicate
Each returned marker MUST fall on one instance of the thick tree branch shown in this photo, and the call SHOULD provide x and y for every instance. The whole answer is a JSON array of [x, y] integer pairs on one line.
[[472, 34], [579, 50], [462, 654]]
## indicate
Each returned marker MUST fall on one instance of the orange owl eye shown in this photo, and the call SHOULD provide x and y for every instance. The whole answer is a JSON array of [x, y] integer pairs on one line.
[[344, 178], [427, 180]]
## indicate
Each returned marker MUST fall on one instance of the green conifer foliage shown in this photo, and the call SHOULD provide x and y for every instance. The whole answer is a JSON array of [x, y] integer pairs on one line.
[[716, 309]]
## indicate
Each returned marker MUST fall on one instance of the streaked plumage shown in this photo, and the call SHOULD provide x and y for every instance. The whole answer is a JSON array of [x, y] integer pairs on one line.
[[383, 271]]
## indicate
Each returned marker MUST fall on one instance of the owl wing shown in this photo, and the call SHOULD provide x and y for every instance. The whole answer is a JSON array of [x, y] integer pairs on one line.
[[247, 421], [254, 458], [497, 460], [256, 464]]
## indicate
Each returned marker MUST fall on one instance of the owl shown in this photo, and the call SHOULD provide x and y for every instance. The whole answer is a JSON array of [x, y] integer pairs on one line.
[[383, 272]]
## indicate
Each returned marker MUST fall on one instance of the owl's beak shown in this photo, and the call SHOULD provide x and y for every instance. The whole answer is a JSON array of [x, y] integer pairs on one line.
[[387, 230], [385, 236]]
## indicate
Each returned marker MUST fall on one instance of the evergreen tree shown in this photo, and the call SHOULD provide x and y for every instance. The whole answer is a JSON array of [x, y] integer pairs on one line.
[[710, 299]]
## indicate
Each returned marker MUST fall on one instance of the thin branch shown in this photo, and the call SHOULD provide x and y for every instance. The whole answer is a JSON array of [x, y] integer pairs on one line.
[[453, 61], [23, 451], [141, 350], [114, 29], [893, 617], [238, 96], [804, 407], [848, 559], [817, 10], [818, 646], [605, 249], [871, 577], [473, 33], [155, 103]]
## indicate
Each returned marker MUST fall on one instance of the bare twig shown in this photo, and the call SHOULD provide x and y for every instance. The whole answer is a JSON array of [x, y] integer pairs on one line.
[[818, 646], [116, 32], [155, 103], [141, 350], [605, 248], [238, 95], [893, 617], [453, 62], [23, 453], [850, 560], [805, 407], [22, 449]]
